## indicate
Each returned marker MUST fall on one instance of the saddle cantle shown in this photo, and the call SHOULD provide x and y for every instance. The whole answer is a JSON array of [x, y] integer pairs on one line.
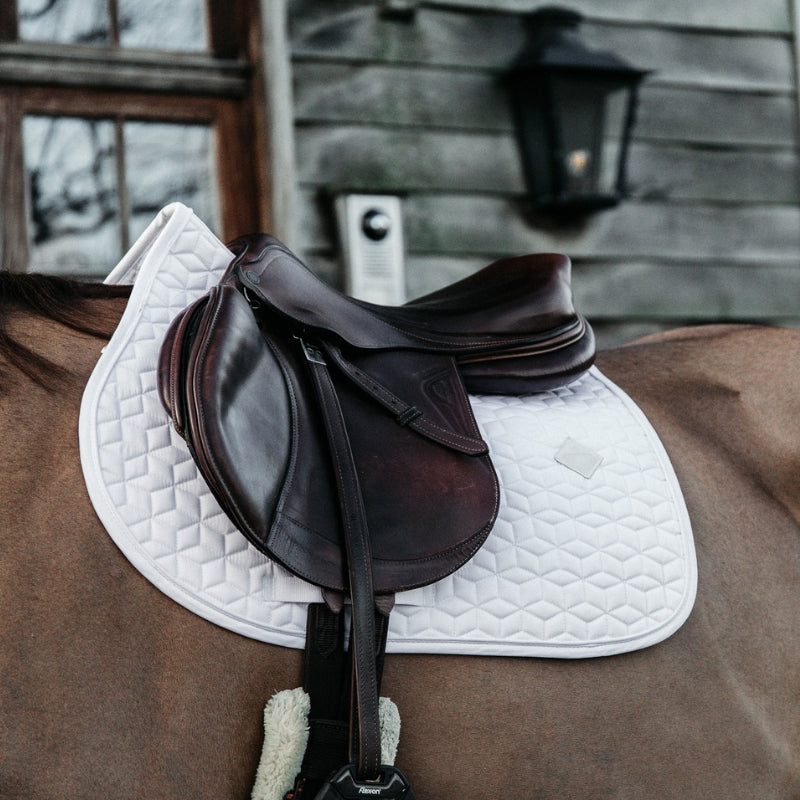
[[337, 434]]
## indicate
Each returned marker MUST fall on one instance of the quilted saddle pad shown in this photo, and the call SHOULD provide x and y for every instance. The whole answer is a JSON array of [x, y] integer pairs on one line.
[[592, 553]]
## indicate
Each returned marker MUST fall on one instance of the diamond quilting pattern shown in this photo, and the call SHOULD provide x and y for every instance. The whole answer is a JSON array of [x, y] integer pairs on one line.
[[575, 566]]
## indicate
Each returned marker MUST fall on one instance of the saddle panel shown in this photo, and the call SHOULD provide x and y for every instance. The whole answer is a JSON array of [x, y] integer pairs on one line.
[[217, 379], [515, 373], [170, 387]]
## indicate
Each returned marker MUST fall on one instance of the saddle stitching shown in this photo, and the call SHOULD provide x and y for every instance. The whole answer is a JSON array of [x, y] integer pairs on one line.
[[469, 546]]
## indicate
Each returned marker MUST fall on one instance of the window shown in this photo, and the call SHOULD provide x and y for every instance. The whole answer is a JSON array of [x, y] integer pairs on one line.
[[114, 108], [179, 25]]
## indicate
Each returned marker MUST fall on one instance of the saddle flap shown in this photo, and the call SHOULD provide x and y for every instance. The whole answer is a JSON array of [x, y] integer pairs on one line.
[[170, 363], [429, 507], [241, 394], [420, 390]]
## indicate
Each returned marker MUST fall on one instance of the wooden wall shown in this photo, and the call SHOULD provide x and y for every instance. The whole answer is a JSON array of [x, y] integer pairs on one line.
[[712, 228]]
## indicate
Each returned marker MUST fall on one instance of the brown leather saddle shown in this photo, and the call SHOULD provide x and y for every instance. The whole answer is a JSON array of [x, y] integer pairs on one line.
[[339, 438]]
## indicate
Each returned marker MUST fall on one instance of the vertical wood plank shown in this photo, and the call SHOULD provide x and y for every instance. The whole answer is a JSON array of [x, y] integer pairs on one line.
[[122, 185], [227, 28], [8, 21], [13, 220], [238, 183], [113, 20], [274, 105]]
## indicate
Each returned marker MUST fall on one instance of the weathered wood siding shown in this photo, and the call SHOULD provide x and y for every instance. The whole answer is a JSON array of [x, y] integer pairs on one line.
[[712, 227]]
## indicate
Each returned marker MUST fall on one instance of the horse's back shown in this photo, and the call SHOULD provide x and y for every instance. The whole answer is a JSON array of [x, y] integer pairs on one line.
[[109, 689], [711, 712]]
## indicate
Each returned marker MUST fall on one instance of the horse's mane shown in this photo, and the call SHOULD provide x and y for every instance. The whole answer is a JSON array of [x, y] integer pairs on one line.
[[63, 300]]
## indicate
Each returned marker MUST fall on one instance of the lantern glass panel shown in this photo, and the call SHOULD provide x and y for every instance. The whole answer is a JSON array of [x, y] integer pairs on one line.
[[591, 123], [534, 119], [580, 120]]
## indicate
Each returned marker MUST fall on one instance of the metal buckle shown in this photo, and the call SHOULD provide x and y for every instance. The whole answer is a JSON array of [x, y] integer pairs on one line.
[[252, 300], [312, 353]]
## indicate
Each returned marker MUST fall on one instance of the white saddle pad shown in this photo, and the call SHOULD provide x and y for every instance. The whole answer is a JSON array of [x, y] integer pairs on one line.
[[592, 553]]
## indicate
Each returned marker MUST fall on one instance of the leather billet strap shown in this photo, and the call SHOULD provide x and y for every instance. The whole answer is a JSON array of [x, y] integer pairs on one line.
[[365, 734], [404, 413]]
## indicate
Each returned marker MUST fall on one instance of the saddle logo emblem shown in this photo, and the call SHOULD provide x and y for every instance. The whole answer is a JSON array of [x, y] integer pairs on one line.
[[440, 387], [369, 789]]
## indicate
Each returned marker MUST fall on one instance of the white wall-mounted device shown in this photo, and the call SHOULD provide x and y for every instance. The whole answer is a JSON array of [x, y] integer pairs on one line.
[[371, 233]]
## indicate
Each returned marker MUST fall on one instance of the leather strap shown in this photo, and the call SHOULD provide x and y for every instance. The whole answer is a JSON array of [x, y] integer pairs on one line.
[[405, 413], [327, 682], [365, 734]]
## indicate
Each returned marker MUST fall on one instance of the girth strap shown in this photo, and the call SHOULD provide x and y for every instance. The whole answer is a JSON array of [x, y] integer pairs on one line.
[[327, 682], [365, 735], [327, 671]]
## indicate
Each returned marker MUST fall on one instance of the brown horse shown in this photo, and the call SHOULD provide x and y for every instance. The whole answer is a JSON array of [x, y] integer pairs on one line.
[[108, 689]]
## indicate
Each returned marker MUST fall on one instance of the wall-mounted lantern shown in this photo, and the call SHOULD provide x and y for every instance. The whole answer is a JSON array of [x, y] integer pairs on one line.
[[574, 110]]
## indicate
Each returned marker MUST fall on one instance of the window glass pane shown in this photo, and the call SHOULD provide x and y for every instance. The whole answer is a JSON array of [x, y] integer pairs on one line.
[[65, 21], [73, 200], [73, 221], [156, 25], [165, 162]]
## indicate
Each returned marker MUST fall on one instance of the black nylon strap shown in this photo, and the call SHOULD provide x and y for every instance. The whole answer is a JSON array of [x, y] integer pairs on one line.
[[327, 682]]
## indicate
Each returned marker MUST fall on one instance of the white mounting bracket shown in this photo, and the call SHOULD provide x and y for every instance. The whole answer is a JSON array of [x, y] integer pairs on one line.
[[371, 233]]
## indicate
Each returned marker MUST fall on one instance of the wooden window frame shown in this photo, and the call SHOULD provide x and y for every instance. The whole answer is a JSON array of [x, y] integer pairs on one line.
[[219, 90]]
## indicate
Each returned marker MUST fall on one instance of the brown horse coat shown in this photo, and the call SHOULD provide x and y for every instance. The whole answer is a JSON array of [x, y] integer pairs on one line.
[[108, 689]]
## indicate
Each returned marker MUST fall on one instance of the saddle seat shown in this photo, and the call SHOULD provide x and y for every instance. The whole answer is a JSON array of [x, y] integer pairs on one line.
[[492, 321], [339, 438]]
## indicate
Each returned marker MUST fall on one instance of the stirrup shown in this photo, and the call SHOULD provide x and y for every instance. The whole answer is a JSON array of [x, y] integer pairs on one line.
[[344, 785]]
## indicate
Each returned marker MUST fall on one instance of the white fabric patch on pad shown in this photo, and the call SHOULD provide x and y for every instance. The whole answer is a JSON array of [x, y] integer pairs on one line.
[[578, 458], [592, 553]]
